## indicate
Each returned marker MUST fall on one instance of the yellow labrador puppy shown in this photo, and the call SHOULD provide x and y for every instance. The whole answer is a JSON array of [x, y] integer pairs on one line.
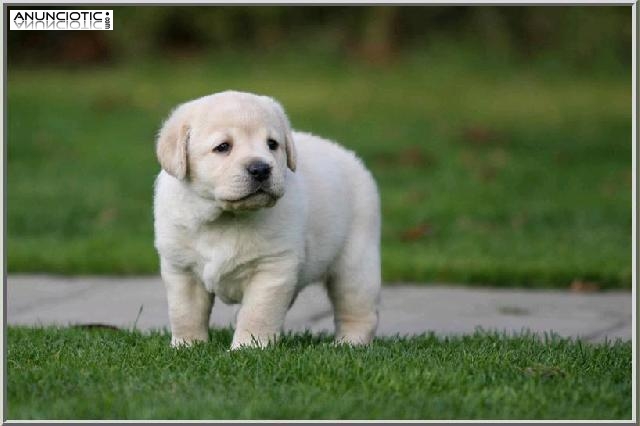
[[251, 212]]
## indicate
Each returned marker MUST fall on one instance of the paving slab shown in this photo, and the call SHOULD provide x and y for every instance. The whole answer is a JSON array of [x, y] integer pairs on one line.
[[406, 309]]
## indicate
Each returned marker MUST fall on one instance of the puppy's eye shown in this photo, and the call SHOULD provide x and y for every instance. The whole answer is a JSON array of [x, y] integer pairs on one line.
[[223, 147], [272, 144]]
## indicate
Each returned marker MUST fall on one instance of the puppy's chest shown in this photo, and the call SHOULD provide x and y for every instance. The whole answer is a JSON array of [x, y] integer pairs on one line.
[[226, 263]]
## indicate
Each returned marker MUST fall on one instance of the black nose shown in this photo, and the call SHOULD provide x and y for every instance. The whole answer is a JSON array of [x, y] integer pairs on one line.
[[259, 171]]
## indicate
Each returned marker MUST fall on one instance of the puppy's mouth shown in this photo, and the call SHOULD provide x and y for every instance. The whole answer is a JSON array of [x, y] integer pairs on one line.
[[256, 193], [257, 199]]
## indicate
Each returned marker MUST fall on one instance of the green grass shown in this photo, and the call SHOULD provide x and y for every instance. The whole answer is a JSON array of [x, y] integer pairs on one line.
[[106, 374], [490, 172]]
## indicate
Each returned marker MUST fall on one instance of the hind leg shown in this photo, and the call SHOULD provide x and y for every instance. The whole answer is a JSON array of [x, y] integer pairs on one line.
[[354, 290]]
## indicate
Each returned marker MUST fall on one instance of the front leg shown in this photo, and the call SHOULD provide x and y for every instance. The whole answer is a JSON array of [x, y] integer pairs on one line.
[[189, 305], [265, 303]]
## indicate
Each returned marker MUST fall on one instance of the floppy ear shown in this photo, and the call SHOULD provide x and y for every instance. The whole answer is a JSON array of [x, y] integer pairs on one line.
[[171, 145], [290, 149], [289, 145]]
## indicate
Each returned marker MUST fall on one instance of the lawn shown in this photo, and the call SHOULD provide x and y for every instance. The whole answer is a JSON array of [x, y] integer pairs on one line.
[[116, 374], [489, 172]]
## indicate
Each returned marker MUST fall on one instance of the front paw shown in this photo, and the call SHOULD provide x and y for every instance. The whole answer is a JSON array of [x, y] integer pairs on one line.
[[352, 341], [185, 342], [247, 340]]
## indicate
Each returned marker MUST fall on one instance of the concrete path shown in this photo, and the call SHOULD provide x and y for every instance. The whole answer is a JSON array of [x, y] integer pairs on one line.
[[405, 309]]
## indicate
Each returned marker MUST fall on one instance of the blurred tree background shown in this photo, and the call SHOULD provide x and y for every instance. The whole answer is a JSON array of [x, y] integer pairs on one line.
[[500, 137], [376, 35]]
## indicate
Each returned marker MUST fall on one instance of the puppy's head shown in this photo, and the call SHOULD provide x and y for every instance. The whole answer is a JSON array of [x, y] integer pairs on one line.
[[231, 147]]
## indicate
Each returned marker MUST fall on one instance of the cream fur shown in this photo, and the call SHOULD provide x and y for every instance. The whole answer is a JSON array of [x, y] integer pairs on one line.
[[319, 223]]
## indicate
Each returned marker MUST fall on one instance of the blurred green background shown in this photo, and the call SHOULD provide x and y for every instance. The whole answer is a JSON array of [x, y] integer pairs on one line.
[[500, 137]]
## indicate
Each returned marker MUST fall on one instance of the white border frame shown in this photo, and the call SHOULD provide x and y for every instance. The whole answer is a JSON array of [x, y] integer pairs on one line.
[[632, 3]]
